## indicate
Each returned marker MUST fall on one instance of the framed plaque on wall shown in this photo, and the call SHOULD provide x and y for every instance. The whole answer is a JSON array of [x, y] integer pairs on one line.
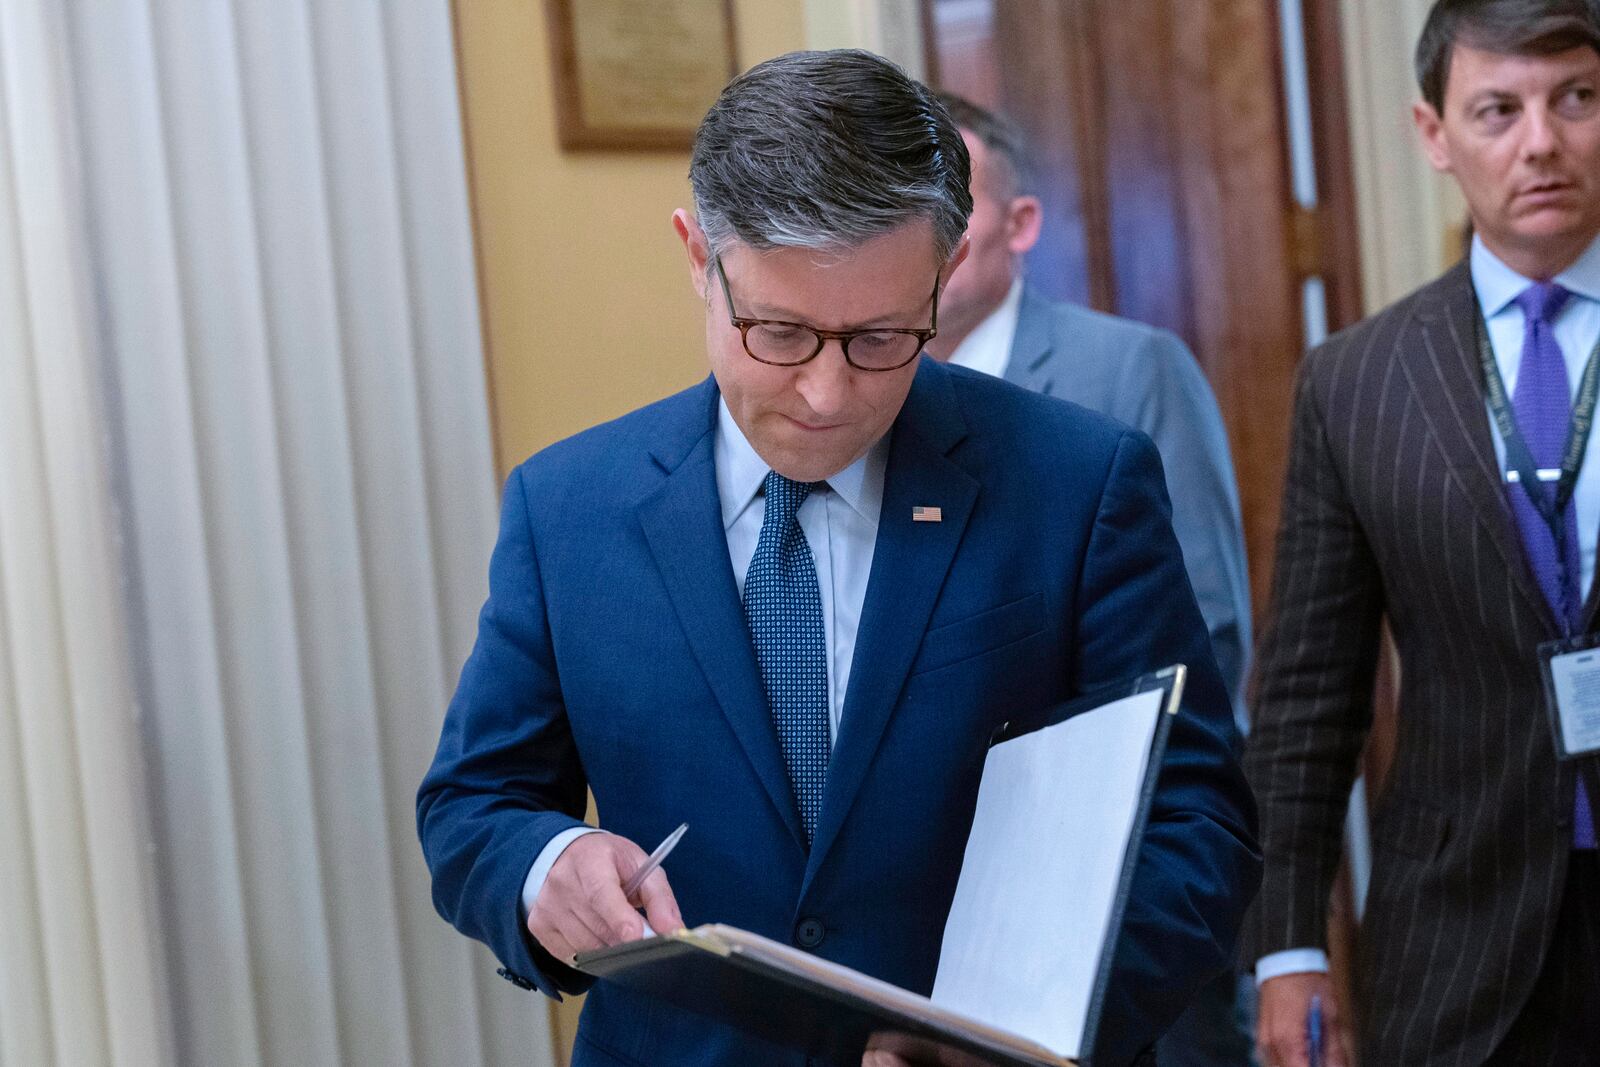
[[637, 73]]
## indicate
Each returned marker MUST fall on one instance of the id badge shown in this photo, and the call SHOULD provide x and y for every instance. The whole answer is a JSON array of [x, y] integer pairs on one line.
[[1572, 693]]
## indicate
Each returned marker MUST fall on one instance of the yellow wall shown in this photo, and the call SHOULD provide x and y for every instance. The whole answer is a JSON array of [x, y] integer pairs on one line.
[[588, 311], [587, 308]]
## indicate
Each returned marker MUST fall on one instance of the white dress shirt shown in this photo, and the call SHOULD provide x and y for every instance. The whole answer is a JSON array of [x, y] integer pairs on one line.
[[1577, 328], [840, 523], [988, 346]]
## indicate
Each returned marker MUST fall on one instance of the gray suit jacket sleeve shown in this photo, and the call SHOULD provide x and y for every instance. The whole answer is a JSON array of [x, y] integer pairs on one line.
[[1177, 409], [1148, 379]]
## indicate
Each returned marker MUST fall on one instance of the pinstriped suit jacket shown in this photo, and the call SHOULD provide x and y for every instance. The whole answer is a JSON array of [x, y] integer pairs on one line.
[[1394, 505]]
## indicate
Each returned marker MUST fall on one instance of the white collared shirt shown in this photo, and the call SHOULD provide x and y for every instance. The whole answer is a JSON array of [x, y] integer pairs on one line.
[[988, 346], [840, 524], [1576, 329]]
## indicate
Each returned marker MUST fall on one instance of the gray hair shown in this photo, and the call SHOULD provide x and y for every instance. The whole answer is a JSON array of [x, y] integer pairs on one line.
[[827, 150]]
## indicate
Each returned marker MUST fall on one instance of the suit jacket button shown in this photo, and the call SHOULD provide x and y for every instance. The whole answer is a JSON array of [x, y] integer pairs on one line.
[[809, 933], [515, 979]]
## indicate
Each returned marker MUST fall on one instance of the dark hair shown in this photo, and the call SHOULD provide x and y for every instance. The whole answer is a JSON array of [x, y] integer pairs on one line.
[[1505, 27], [1000, 136], [828, 150]]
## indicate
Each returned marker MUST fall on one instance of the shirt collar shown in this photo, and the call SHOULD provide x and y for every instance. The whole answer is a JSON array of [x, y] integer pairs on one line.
[[1583, 277], [1498, 285], [741, 471], [988, 346]]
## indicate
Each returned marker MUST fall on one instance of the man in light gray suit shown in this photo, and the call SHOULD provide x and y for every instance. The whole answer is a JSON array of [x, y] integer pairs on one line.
[[991, 320]]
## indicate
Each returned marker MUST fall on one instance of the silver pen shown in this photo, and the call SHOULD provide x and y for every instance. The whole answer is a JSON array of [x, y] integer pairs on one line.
[[631, 886]]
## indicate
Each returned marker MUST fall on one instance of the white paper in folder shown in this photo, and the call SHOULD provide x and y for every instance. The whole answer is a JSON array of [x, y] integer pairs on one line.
[[1033, 908]]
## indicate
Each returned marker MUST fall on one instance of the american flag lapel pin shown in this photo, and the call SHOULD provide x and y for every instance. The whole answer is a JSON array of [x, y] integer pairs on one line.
[[923, 514]]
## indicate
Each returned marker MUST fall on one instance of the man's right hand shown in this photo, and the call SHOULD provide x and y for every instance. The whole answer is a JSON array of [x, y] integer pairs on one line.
[[1283, 1006], [581, 907]]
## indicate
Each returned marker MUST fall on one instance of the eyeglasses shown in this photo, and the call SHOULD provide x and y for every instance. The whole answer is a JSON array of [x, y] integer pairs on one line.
[[789, 344]]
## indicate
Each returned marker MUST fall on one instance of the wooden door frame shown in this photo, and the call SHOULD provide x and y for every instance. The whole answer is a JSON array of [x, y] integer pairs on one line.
[[1337, 230]]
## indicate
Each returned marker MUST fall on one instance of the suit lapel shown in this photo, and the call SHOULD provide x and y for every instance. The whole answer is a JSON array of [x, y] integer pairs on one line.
[[682, 523], [909, 565], [1031, 347], [1448, 384]]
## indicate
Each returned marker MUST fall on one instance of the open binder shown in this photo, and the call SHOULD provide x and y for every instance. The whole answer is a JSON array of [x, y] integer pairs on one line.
[[1032, 930]]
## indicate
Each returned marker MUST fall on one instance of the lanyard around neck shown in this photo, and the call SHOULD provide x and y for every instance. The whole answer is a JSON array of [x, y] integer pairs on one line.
[[1549, 505]]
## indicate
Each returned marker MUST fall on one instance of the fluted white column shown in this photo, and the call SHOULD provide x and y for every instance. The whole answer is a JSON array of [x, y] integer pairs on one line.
[[892, 28], [1410, 217]]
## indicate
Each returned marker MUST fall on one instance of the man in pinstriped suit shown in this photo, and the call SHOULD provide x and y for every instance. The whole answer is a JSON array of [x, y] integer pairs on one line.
[[1481, 938]]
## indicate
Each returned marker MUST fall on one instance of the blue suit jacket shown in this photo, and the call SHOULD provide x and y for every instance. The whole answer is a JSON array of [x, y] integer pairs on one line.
[[613, 654], [1149, 379]]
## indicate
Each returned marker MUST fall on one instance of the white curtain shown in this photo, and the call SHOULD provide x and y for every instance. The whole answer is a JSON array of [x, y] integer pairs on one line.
[[82, 973], [277, 314]]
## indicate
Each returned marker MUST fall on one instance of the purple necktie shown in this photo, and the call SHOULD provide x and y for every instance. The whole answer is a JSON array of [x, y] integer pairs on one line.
[[1543, 405]]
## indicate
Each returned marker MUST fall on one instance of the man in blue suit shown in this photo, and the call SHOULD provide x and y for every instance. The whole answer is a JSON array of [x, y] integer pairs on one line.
[[994, 321], [790, 606]]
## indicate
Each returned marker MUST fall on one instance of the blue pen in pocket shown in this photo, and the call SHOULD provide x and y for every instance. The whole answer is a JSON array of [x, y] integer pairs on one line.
[[1314, 1032]]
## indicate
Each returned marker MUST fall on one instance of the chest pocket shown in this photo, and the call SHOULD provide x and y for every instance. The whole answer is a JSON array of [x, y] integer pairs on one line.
[[980, 634]]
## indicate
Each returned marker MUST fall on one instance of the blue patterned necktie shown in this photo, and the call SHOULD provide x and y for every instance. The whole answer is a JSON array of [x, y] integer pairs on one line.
[[1543, 405], [783, 606]]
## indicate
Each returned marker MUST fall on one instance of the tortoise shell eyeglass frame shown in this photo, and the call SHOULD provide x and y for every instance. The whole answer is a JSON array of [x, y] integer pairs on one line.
[[844, 337]]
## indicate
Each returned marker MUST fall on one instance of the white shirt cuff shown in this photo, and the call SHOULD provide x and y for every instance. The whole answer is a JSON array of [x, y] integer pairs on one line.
[[1291, 961], [547, 859]]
